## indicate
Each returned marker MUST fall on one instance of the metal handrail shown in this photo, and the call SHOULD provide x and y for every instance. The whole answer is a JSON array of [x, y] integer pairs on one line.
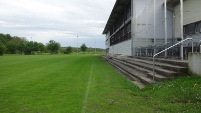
[[166, 50], [200, 46]]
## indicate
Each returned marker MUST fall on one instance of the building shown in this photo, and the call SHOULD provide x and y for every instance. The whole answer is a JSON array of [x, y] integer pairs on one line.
[[145, 27]]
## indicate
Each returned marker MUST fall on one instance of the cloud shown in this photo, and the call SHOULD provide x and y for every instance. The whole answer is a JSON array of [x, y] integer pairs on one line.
[[61, 20]]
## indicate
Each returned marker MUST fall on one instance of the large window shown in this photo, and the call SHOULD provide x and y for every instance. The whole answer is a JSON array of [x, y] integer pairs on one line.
[[128, 10], [111, 41], [186, 30], [198, 27], [192, 28], [122, 35], [125, 32], [123, 17], [111, 31]]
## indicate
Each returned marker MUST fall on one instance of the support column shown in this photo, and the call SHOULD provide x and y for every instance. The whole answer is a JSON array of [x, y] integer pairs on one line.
[[146, 28], [154, 27], [132, 28], [165, 18], [181, 25]]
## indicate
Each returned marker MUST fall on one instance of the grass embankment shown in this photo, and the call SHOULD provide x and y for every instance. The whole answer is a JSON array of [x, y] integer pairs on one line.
[[85, 83]]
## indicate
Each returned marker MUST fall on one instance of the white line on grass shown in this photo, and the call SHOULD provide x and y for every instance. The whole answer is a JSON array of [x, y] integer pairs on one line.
[[87, 91]]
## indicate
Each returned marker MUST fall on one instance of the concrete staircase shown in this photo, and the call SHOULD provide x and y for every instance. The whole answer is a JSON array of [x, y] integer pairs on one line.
[[140, 69]]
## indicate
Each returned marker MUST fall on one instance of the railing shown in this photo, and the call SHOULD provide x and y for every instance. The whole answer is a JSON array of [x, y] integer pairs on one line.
[[166, 50]]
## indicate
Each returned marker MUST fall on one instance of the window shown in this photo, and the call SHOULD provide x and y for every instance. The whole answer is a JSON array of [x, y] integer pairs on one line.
[[198, 27], [111, 31], [186, 30], [111, 41], [192, 28], [128, 10], [128, 27], [121, 34]]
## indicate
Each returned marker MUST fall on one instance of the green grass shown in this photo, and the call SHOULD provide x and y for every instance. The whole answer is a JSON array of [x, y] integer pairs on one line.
[[86, 83]]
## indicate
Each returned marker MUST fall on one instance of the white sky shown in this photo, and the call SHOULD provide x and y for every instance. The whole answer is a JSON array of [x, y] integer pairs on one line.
[[59, 20]]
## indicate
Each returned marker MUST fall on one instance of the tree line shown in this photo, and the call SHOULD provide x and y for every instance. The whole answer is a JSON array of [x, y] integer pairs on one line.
[[18, 45]]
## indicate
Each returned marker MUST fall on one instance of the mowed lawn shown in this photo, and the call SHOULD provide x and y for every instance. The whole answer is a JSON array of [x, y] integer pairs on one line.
[[58, 84], [85, 83]]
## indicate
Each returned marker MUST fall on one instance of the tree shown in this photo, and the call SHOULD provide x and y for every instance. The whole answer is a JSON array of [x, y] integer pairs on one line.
[[8, 37], [69, 50], [28, 48], [83, 47], [2, 48], [11, 47], [35, 46], [21, 47], [3, 38], [53, 46], [41, 47]]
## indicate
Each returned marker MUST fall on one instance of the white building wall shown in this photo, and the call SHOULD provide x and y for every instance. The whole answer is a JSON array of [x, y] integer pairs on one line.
[[123, 48], [144, 27], [192, 13]]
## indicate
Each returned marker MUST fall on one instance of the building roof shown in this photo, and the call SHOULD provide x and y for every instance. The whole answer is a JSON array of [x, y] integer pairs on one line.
[[116, 11]]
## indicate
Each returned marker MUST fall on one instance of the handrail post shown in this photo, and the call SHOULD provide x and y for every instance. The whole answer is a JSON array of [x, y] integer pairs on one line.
[[153, 68], [192, 45]]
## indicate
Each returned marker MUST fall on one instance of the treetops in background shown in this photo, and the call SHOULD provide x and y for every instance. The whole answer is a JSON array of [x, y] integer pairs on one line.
[[18, 45]]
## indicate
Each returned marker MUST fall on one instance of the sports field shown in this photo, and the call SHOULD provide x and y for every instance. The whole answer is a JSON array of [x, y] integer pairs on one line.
[[84, 84]]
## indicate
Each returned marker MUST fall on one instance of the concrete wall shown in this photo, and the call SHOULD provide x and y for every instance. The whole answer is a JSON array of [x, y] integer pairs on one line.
[[192, 13], [123, 48], [194, 63]]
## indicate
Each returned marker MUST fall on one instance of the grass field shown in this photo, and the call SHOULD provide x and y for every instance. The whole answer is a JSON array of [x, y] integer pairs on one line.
[[85, 83]]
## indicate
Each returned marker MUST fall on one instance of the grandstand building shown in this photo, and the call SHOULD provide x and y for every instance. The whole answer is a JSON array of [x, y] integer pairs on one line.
[[145, 27]]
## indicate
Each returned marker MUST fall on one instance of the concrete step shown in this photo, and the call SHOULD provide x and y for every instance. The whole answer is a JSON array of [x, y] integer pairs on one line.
[[179, 69], [158, 77], [141, 76], [158, 69], [183, 63], [140, 69]]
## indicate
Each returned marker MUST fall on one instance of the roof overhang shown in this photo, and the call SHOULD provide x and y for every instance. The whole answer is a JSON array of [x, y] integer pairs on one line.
[[116, 11]]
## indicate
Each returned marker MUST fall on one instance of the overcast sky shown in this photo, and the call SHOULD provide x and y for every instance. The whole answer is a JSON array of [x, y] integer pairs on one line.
[[59, 20]]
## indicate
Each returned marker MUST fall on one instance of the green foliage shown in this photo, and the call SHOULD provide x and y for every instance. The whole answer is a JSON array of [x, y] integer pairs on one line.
[[2, 48], [11, 47], [41, 47], [53, 46], [29, 48], [21, 47], [69, 50], [3, 39], [35, 46], [13, 44], [83, 47]]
